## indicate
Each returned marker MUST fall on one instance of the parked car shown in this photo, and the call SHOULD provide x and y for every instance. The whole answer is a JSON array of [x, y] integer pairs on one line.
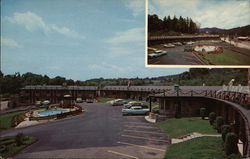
[[46, 102], [79, 100], [190, 43], [135, 110], [89, 100], [177, 44], [133, 103], [188, 48], [157, 53], [169, 45], [119, 102], [38, 103]]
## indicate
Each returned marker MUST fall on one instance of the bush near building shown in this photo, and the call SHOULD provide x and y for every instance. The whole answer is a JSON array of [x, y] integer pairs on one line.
[[203, 113], [224, 130], [212, 118], [218, 123], [231, 144]]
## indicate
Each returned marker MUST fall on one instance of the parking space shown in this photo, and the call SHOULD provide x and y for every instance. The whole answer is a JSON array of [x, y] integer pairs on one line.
[[140, 139], [176, 56]]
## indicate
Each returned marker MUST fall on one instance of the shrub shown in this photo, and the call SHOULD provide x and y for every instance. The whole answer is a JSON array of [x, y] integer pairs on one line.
[[218, 123], [224, 130], [203, 113], [231, 144], [212, 117], [17, 120], [19, 139]]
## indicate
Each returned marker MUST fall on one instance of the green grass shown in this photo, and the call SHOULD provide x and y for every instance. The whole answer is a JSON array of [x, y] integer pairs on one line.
[[183, 126], [5, 120], [198, 148], [226, 58], [12, 148], [104, 100]]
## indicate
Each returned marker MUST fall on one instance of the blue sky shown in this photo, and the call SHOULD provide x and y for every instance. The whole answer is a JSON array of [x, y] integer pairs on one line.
[[77, 39], [224, 14]]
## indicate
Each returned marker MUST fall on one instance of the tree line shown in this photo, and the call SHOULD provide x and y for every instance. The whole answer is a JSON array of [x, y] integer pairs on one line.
[[168, 24], [11, 84]]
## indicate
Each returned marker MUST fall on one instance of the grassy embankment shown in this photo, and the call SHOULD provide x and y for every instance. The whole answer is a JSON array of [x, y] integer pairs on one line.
[[5, 119], [183, 126], [203, 147], [104, 100], [227, 57]]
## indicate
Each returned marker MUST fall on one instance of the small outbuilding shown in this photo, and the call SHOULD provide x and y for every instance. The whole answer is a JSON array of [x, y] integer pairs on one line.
[[68, 101]]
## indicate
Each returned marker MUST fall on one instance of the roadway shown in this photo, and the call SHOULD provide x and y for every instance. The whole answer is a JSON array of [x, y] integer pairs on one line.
[[100, 132], [176, 56]]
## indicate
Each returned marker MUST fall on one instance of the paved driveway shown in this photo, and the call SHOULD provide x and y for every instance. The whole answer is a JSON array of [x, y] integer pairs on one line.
[[100, 132], [176, 56]]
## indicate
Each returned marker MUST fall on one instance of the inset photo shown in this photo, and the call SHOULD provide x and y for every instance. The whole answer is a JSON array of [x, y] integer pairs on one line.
[[198, 33]]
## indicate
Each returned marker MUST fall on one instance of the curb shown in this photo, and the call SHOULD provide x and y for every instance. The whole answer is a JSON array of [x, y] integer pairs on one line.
[[147, 118]]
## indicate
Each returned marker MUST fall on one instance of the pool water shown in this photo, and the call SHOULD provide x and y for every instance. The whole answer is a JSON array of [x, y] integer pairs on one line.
[[206, 48], [51, 112]]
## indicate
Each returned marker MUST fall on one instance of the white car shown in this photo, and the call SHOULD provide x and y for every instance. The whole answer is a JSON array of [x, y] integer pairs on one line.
[[157, 53], [46, 102], [169, 45], [135, 110]]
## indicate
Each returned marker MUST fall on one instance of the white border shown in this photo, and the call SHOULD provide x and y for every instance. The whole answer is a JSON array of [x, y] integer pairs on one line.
[[178, 66]]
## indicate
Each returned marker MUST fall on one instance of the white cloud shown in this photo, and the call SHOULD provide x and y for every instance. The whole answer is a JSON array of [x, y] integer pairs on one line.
[[129, 36], [32, 22], [126, 43], [29, 20], [67, 32], [107, 67], [137, 6], [223, 14], [10, 43]]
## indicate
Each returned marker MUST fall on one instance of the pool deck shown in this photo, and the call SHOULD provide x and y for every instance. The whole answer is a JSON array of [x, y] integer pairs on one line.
[[27, 122]]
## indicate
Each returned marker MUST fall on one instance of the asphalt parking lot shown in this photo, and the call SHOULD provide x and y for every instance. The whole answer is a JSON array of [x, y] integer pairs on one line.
[[100, 132], [175, 56]]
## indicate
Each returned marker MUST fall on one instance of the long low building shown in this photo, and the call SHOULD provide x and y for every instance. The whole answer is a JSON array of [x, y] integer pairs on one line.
[[31, 94]]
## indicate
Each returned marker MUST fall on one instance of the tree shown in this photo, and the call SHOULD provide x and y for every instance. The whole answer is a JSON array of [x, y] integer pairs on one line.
[[202, 113], [218, 123], [224, 130], [212, 118], [231, 144]]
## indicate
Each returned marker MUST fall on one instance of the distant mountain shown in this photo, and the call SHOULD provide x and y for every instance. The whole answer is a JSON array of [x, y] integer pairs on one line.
[[239, 31], [210, 30]]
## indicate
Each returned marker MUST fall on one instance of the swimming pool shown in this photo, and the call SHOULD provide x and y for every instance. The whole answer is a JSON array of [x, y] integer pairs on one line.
[[51, 112], [205, 48]]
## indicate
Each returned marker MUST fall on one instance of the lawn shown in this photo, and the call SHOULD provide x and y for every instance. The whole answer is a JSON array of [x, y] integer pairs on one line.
[[5, 120], [180, 127], [228, 57], [104, 100], [11, 146], [198, 148]]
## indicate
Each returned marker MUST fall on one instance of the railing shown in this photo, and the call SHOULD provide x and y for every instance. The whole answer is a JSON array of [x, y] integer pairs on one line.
[[235, 97]]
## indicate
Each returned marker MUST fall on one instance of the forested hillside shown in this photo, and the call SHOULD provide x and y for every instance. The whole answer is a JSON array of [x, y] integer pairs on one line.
[[195, 76], [171, 26]]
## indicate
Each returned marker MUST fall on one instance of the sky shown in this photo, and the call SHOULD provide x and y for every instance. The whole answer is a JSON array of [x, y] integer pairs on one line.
[[225, 14], [76, 39]]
